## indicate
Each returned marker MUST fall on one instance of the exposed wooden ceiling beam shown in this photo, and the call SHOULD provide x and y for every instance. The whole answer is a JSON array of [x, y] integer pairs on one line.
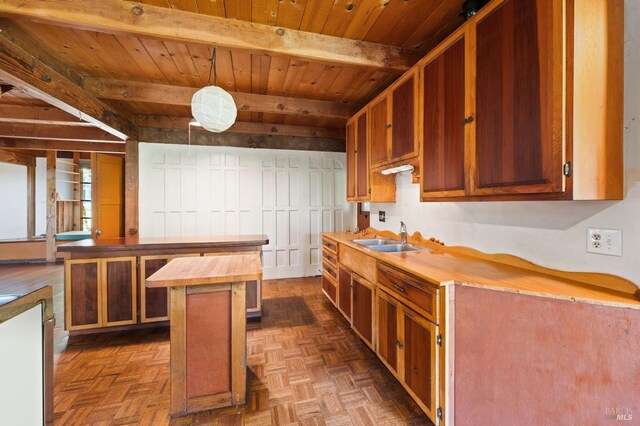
[[47, 132], [199, 137], [170, 122], [16, 158], [38, 115], [180, 95], [130, 18], [104, 147], [22, 69]]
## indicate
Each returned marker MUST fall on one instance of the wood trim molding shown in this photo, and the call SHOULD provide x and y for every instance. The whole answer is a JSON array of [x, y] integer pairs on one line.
[[199, 137], [62, 145], [55, 132], [17, 158], [602, 281], [46, 81], [246, 127], [143, 20], [137, 91], [38, 114], [51, 206], [131, 188]]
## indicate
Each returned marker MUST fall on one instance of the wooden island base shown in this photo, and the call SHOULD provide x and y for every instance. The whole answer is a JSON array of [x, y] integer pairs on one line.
[[208, 329]]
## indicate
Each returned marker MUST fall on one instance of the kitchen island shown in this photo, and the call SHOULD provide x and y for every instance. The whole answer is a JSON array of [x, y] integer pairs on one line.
[[104, 278], [474, 336]]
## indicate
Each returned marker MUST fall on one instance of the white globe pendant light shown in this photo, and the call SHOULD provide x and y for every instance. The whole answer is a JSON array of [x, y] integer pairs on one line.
[[213, 107]]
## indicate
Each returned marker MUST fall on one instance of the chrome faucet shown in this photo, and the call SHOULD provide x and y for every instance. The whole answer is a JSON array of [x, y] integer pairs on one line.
[[403, 233]]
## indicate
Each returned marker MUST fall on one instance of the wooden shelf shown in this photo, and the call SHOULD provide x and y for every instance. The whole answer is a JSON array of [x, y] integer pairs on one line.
[[70, 163], [68, 172]]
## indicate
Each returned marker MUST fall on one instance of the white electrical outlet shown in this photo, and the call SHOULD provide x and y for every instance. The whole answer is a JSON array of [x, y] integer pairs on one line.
[[604, 241]]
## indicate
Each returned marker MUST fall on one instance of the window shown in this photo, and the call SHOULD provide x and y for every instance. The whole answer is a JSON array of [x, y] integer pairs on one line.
[[85, 197]]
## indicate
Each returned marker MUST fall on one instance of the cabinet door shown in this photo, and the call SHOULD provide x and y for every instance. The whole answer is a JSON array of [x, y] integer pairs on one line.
[[379, 132], [344, 293], [154, 302], [443, 108], [419, 359], [519, 126], [404, 126], [362, 299], [387, 330], [82, 294], [119, 286], [362, 167], [351, 161]]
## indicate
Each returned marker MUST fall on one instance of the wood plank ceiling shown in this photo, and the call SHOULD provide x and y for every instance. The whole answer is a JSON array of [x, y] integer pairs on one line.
[[414, 25]]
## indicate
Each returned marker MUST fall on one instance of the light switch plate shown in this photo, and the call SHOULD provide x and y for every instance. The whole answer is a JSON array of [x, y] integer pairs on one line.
[[604, 241], [381, 216]]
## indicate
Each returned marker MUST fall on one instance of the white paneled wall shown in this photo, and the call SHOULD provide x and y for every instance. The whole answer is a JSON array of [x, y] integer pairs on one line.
[[291, 196]]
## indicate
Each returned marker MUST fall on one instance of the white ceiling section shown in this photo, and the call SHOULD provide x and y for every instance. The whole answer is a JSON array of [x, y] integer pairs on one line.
[[291, 196]]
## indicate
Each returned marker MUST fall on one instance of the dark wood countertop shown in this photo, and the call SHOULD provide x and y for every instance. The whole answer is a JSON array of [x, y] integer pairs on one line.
[[152, 243], [443, 265]]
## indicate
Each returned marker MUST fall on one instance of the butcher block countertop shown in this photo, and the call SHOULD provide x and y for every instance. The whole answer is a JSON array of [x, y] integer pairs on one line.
[[441, 265], [153, 243], [190, 271]]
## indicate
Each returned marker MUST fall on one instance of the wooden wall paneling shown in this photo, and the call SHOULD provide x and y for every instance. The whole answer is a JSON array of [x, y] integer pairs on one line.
[[158, 52], [440, 23], [365, 16], [31, 201], [131, 187], [20, 159], [264, 11], [119, 285], [208, 7], [184, 63], [519, 140], [442, 104], [133, 46], [53, 132], [51, 206]]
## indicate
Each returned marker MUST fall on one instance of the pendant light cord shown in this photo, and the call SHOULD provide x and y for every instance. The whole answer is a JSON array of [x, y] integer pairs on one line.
[[212, 69]]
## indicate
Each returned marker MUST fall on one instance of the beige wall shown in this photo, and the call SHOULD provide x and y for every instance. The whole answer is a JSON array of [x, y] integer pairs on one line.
[[549, 233]]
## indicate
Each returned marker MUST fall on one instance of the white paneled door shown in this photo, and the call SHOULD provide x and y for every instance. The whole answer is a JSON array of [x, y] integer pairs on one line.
[[291, 196]]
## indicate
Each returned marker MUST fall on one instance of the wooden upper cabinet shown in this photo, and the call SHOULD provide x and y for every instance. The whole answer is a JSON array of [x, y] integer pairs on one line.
[[519, 141], [442, 104], [362, 169], [404, 123], [351, 160], [380, 132], [362, 184]]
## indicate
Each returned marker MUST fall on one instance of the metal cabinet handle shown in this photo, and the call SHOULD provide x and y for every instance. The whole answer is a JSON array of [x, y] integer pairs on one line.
[[400, 345], [98, 233], [397, 287]]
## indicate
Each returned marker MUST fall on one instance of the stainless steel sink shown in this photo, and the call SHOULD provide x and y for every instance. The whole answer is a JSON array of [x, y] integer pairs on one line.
[[394, 248], [375, 242]]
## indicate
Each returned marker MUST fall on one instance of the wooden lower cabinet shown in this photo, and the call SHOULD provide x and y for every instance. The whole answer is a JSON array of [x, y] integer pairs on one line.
[[362, 310], [329, 288], [100, 292], [344, 292], [407, 345]]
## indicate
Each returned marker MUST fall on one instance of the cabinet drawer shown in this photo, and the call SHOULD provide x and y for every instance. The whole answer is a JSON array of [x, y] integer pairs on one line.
[[330, 270], [330, 246], [410, 289], [329, 257], [329, 288]]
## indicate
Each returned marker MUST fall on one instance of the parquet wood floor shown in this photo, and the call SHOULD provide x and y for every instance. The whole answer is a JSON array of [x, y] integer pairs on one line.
[[306, 367]]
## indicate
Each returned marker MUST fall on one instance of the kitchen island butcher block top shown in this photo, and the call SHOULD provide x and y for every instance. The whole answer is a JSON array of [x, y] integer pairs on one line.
[[441, 265], [159, 243], [192, 271]]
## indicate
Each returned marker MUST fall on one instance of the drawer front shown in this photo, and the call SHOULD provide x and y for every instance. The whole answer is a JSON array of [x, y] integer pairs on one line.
[[329, 257], [411, 290], [360, 263], [329, 288], [330, 245], [330, 270]]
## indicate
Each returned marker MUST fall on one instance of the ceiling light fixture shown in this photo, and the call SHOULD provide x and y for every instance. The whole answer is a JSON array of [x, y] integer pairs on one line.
[[212, 107]]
